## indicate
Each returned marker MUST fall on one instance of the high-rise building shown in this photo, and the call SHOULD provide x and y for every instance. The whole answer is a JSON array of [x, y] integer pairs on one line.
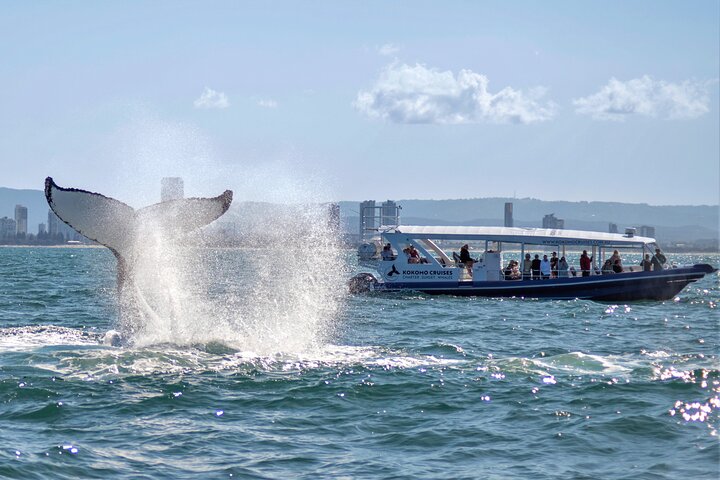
[[367, 218], [52, 223], [508, 214], [389, 213], [56, 226], [646, 231], [20, 220], [41, 228], [171, 188], [612, 228], [7, 228], [550, 221]]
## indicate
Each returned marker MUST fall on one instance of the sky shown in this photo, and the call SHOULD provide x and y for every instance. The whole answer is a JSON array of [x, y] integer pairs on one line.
[[332, 100]]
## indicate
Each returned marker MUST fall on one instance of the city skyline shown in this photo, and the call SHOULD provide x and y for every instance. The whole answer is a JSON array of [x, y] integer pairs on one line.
[[285, 102], [18, 228]]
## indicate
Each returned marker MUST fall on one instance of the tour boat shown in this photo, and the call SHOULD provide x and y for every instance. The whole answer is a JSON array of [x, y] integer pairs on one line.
[[435, 267]]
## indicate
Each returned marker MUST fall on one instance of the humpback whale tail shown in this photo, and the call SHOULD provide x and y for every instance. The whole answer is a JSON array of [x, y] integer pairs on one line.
[[121, 228], [125, 231], [117, 225]]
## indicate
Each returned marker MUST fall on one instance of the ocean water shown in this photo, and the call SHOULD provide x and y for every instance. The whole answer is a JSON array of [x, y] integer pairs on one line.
[[255, 368]]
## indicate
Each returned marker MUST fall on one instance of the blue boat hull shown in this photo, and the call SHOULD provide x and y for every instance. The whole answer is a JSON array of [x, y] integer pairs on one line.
[[624, 287]]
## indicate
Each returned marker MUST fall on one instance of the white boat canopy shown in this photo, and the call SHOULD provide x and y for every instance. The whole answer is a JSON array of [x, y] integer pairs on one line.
[[531, 236]]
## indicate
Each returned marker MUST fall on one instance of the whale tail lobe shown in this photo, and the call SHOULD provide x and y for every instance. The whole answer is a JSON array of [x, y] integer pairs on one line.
[[117, 226]]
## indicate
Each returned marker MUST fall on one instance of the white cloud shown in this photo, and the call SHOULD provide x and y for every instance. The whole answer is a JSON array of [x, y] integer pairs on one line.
[[645, 96], [267, 103], [211, 99], [417, 94], [388, 49]]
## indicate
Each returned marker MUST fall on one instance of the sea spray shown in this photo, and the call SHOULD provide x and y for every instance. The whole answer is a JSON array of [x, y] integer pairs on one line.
[[288, 303], [283, 243], [299, 282]]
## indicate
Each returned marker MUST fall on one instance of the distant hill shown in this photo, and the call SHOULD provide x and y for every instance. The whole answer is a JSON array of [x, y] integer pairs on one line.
[[673, 223], [533, 210]]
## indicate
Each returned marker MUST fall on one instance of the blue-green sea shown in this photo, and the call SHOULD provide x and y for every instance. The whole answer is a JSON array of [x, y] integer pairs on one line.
[[261, 370]]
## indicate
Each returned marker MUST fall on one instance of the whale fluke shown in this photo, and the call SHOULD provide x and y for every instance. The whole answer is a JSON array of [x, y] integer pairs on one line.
[[125, 232], [116, 225], [121, 228]]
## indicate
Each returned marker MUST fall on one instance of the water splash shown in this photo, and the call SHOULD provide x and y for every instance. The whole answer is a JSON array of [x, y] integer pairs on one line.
[[182, 292], [280, 292]]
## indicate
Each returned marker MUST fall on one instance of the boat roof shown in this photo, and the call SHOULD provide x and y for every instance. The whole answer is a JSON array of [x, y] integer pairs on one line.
[[534, 236]]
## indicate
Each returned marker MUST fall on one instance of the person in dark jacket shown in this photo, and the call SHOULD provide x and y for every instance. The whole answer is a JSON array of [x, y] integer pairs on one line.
[[617, 266], [536, 267], [585, 262], [466, 259]]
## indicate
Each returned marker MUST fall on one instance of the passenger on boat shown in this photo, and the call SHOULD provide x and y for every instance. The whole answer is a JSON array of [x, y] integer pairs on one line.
[[466, 259], [658, 260], [545, 268], [616, 258], [387, 253], [607, 267], [617, 266], [554, 265], [508, 270], [536, 268], [516, 274], [646, 263], [585, 263], [562, 268], [415, 256], [512, 271], [527, 268]]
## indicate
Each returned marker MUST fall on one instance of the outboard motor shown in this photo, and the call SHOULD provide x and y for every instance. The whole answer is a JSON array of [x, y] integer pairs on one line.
[[362, 283]]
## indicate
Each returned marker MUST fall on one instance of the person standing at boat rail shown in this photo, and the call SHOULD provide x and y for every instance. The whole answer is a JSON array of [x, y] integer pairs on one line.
[[527, 268], [536, 268], [585, 262], [545, 268], [465, 258], [562, 268], [646, 263], [658, 260]]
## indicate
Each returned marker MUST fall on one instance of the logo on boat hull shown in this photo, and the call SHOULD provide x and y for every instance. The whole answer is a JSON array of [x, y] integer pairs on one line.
[[392, 274]]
